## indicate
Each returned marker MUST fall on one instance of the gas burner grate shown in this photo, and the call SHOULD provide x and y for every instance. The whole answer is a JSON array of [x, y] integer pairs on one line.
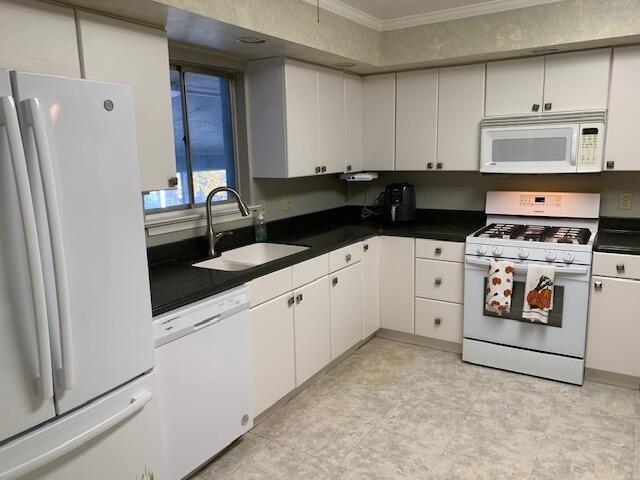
[[536, 233]]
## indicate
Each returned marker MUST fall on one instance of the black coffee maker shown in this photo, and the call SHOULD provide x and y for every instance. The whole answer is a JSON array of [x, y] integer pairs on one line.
[[399, 203]]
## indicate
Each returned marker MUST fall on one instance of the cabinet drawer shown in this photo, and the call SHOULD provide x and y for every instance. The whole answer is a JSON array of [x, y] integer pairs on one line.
[[615, 265], [307, 272], [270, 286], [439, 250], [439, 280], [345, 256], [441, 320]]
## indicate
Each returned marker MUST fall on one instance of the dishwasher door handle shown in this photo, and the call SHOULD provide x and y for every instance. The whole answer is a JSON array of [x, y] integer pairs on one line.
[[208, 321]]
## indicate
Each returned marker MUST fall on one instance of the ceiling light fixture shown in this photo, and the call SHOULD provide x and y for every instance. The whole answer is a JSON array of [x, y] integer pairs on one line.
[[545, 50], [345, 64], [251, 40]]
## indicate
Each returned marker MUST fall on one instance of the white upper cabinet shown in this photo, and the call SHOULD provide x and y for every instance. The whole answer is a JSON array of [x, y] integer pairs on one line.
[[460, 109], [624, 103], [122, 52], [331, 120], [577, 81], [514, 87], [38, 37], [379, 129], [353, 123], [416, 119]]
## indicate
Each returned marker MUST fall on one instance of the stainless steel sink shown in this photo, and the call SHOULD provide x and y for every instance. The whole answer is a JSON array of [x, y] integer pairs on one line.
[[250, 256]]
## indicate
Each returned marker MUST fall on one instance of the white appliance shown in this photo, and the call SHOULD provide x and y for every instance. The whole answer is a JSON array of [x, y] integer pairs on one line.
[[551, 143], [203, 358], [532, 228], [76, 347]]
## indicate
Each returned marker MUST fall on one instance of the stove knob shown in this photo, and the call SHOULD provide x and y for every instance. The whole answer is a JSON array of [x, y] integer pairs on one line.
[[523, 253], [496, 251], [568, 257], [550, 255], [481, 250]]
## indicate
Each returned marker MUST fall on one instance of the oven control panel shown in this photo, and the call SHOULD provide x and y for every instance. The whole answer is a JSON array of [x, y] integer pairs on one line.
[[544, 204]]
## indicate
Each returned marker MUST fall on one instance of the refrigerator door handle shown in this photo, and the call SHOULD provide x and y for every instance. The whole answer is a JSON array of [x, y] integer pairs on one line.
[[9, 119], [35, 119], [137, 403]]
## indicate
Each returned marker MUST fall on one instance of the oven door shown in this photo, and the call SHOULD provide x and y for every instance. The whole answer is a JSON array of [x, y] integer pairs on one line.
[[530, 149], [564, 334]]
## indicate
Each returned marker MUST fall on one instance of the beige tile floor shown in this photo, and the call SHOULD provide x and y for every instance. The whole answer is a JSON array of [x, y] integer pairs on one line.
[[397, 411]]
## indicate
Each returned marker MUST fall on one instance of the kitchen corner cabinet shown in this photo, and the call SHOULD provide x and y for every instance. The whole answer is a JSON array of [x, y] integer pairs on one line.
[[379, 124], [561, 82], [346, 309], [353, 123], [272, 348], [624, 104], [370, 286], [416, 120], [397, 279], [460, 109], [122, 52], [49, 45]]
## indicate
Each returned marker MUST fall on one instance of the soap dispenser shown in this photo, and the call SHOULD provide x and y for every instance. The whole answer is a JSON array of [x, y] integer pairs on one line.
[[261, 227]]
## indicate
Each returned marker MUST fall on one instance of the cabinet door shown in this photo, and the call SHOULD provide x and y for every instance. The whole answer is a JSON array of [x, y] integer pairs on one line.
[[379, 107], [577, 81], [624, 104], [614, 326], [353, 123], [460, 108], [346, 309], [370, 286], [122, 52], [514, 87], [416, 119], [331, 121], [312, 329], [38, 37], [397, 283], [301, 93], [272, 354]]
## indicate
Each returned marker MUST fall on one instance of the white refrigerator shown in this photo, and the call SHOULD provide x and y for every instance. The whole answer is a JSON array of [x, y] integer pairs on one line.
[[76, 345]]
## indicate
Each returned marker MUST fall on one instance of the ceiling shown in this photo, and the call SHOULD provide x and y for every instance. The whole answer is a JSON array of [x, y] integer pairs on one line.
[[391, 15]]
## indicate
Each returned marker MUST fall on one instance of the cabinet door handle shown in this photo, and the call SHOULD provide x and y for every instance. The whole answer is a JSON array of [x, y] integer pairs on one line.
[[597, 285], [547, 106], [348, 168], [324, 169], [535, 107], [430, 166], [438, 251], [334, 281], [348, 257], [438, 281], [437, 321], [620, 268], [610, 164], [318, 169], [365, 247], [439, 166], [290, 302], [298, 298]]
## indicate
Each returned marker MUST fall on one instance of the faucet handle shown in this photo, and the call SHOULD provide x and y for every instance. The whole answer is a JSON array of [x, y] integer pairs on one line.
[[222, 234]]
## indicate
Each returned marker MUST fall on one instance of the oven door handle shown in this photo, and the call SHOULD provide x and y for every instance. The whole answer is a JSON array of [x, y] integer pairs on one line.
[[519, 268]]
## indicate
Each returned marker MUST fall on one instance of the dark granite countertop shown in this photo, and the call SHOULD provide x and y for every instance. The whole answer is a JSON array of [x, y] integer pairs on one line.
[[175, 282], [618, 235]]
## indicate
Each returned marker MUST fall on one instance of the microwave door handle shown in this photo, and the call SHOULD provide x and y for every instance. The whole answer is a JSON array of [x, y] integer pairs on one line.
[[576, 146], [35, 119], [9, 119]]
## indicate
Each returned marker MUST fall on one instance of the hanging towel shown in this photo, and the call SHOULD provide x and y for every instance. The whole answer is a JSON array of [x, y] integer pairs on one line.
[[538, 293], [499, 286]]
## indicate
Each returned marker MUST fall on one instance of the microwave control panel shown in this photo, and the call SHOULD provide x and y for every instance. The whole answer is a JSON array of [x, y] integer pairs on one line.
[[589, 151]]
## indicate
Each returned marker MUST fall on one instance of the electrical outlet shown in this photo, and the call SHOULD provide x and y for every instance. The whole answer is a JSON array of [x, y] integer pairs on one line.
[[626, 199], [287, 203]]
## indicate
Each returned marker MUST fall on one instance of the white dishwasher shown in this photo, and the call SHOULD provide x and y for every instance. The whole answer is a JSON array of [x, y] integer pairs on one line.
[[203, 360]]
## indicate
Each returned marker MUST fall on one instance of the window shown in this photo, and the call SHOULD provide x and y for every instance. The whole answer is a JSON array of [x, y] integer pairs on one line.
[[203, 139]]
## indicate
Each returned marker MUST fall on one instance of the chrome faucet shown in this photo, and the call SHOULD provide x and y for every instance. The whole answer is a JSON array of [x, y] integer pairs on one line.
[[211, 235]]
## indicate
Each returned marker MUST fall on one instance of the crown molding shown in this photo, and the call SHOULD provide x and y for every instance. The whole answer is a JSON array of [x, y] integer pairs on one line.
[[494, 6]]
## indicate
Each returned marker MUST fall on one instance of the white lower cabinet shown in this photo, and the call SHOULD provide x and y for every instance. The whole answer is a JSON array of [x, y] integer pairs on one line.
[[346, 309], [614, 326], [272, 351], [397, 283], [370, 286], [441, 320], [312, 329]]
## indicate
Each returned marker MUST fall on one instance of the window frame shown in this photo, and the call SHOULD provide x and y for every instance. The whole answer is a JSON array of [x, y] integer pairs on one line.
[[182, 67]]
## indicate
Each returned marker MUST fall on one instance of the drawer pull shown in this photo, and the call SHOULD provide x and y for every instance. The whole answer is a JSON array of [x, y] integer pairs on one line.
[[597, 285], [298, 298], [290, 302], [334, 282], [348, 257], [437, 321], [438, 251], [365, 247], [620, 268], [438, 281]]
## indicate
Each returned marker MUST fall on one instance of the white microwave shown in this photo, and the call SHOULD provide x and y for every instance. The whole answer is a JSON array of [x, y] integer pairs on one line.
[[570, 143]]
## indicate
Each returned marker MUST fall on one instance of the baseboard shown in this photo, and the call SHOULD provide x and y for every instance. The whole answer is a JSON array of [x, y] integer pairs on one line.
[[611, 378], [413, 339]]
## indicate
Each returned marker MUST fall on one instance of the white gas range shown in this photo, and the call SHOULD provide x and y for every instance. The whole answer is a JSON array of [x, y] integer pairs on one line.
[[532, 228]]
